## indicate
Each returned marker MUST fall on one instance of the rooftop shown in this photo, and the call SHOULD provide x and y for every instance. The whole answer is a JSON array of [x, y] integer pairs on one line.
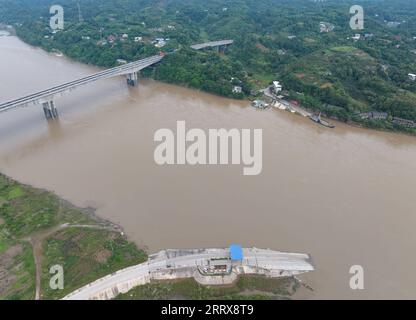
[[236, 252]]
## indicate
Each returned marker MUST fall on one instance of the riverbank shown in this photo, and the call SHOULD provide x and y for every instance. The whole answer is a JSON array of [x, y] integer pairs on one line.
[[207, 266], [100, 154], [248, 287], [38, 230], [351, 120], [294, 106], [7, 30]]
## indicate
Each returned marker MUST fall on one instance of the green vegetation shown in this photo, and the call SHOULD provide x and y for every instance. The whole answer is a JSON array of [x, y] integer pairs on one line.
[[274, 40], [86, 255], [27, 212], [33, 220], [247, 287], [29, 215], [17, 276]]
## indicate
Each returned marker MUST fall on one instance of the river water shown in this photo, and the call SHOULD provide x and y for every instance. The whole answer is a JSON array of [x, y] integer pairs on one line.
[[347, 196]]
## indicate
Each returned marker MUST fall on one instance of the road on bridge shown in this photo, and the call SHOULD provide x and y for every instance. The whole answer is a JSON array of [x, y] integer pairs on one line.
[[49, 93]]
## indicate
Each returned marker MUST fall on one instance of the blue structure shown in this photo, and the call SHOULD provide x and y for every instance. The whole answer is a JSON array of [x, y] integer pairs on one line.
[[236, 252]]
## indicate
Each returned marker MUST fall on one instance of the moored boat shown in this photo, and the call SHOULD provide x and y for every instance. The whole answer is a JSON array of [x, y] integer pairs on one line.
[[317, 118]]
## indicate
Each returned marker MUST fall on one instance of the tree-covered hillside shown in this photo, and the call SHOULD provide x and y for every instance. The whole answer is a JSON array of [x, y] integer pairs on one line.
[[324, 68]]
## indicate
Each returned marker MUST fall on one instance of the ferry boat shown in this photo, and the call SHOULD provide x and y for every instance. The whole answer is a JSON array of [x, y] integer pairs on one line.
[[317, 119]]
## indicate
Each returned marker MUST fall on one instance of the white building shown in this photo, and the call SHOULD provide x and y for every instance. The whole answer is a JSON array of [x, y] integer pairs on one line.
[[412, 76], [160, 42], [326, 27], [237, 89], [138, 39], [276, 87]]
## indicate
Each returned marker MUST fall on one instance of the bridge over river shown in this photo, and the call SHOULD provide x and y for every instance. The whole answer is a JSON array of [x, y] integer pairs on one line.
[[46, 97]]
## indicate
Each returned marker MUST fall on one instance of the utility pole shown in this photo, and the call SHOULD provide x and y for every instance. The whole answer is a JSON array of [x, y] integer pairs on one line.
[[80, 18]]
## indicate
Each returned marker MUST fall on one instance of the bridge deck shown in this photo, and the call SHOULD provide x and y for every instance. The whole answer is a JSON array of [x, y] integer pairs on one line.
[[212, 44], [50, 92]]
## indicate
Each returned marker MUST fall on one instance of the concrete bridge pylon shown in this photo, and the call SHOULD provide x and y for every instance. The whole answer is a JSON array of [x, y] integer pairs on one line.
[[132, 79], [50, 110], [46, 97]]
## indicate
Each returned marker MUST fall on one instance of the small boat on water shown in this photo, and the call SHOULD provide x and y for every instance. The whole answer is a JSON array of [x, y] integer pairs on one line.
[[317, 118]]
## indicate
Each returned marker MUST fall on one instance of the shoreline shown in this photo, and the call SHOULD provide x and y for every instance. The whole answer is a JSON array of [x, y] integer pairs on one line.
[[278, 126], [52, 231], [9, 29], [89, 212], [246, 99], [42, 239]]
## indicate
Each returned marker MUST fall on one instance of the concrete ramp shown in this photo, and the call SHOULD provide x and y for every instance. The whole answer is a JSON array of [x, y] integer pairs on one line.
[[208, 266]]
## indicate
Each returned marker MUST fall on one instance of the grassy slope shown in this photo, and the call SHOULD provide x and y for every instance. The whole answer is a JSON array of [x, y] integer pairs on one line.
[[317, 69], [85, 254], [17, 268], [248, 287]]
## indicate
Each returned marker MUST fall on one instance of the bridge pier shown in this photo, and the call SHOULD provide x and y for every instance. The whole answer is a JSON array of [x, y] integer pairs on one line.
[[44, 97], [50, 110], [132, 79], [221, 49]]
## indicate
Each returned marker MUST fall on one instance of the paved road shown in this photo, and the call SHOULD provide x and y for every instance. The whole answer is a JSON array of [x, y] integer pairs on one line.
[[171, 259]]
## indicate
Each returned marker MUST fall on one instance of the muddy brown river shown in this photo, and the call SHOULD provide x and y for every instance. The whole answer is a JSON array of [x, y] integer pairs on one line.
[[347, 196]]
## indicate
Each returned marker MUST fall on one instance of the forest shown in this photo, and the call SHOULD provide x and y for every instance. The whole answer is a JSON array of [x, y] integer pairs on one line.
[[326, 69]]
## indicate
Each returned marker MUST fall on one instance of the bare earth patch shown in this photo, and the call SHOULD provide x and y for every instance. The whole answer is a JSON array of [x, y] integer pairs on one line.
[[102, 256], [326, 85], [12, 251], [7, 278], [262, 47]]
